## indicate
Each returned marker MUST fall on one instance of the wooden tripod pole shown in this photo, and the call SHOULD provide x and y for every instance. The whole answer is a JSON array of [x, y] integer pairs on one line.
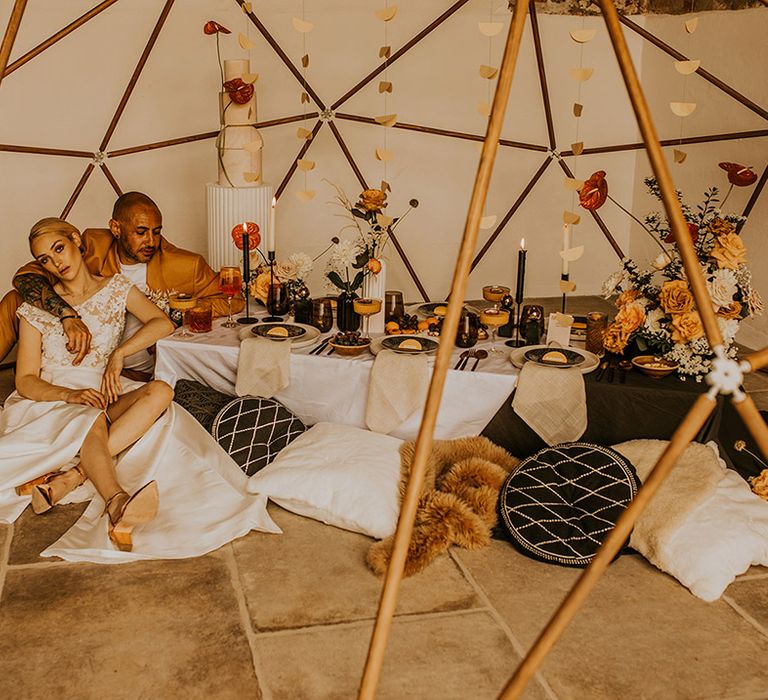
[[613, 543], [10, 34], [394, 574]]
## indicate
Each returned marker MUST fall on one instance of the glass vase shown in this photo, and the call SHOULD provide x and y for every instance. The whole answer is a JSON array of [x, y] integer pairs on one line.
[[346, 318]]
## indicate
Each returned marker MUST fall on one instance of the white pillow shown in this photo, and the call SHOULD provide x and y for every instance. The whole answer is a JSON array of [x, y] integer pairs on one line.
[[340, 475], [714, 539]]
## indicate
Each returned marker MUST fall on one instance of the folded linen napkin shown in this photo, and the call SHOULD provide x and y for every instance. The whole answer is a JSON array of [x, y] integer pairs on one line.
[[263, 367], [552, 401], [398, 387]]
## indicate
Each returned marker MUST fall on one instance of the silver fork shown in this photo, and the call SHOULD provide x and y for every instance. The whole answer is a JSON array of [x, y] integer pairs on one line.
[[470, 355]]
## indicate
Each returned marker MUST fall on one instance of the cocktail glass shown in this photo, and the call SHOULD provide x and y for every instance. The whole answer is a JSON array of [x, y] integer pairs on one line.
[[367, 308], [230, 283], [182, 303], [493, 318]]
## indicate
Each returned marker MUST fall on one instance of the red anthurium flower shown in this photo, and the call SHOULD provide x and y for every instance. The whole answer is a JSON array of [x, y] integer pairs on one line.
[[238, 91], [254, 237], [693, 230], [212, 27], [595, 191], [739, 175]]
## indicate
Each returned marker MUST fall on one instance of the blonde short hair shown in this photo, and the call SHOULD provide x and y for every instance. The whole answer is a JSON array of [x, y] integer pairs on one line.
[[52, 224]]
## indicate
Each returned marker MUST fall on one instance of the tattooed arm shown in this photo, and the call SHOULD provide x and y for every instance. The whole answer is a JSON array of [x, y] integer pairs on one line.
[[37, 290]]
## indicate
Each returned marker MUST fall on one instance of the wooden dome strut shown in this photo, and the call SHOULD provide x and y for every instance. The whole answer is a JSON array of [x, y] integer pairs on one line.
[[724, 378]]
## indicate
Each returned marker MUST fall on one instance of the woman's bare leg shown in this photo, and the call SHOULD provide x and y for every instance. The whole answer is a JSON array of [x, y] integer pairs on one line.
[[96, 462], [134, 412]]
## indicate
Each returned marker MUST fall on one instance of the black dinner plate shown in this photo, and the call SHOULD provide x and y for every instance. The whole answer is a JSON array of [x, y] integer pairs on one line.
[[572, 358], [262, 330], [393, 343]]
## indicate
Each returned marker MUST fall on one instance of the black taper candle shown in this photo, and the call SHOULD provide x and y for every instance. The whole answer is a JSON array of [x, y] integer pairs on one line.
[[519, 291], [246, 275]]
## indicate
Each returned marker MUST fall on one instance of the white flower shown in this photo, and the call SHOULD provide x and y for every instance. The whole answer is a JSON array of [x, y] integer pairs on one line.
[[285, 271], [728, 328], [652, 319], [722, 287], [661, 261], [755, 302], [344, 255], [303, 264], [612, 283]]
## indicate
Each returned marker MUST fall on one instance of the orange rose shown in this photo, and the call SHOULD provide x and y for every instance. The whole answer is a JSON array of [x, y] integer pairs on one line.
[[720, 227], [372, 200], [729, 251], [686, 327], [733, 310], [675, 297], [630, 317], [615, 339], [627, 297], [259, 287]]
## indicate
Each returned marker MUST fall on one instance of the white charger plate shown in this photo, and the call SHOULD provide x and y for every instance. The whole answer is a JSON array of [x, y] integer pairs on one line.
[[590, 364]]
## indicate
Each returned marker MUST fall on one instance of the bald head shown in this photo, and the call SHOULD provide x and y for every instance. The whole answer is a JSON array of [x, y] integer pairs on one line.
[[136, 224]]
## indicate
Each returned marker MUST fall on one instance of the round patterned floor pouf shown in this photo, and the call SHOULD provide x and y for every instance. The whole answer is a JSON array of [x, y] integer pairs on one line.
[[560, 504], [253, 430]]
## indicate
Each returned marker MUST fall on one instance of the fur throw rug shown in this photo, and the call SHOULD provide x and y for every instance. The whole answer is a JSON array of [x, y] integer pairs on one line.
[[458, 503]]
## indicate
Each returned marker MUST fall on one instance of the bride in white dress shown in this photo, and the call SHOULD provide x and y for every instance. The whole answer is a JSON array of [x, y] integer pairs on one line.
[[123, 437]]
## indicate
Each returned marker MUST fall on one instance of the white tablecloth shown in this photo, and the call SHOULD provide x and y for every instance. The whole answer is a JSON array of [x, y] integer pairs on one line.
[[334, 388]]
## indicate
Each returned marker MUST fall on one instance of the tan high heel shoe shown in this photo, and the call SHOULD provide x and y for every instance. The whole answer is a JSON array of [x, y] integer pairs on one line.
[[43, 498], [137, 510]]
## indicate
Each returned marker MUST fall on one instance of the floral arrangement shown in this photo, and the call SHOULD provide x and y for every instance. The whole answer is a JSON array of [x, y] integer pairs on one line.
[[292, 272], [656, 309], [351, 260]]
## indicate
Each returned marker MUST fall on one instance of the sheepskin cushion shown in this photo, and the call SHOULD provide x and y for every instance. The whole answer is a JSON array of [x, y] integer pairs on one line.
[[559, 505], [704, 526], [253, 430], [338, 474]]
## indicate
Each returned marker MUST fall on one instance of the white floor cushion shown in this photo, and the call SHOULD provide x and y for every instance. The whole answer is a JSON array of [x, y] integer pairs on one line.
[[337, 474], [704, 526]]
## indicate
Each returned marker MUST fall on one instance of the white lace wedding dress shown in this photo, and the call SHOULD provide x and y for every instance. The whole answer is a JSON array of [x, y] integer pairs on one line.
[[203, 496]]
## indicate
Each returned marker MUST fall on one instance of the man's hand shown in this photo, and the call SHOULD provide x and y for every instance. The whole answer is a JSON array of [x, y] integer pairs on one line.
[[111, 385], [78, 338], [87, 397]]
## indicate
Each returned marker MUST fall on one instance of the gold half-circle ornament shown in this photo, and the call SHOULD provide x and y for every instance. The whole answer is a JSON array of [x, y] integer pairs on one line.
[[387, 119], [385, 86], [682, 109], [687, 67], [567, 286], [582, 36], [490, 28], [484, 108], [572, 254], [384, 154], [302, 133], [577, 109], [250, 78], [251, 177], [488, 221], [302, 26], [387, 13], [577, 148], [691, 24], [570, 217], [571, 183], [679, 155], [488, 72], [581, 75], [306, 195], [305, 165], [247, 7], [245, 43]]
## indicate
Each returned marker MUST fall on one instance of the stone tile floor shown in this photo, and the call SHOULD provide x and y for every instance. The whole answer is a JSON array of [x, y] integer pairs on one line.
[[290, 617]]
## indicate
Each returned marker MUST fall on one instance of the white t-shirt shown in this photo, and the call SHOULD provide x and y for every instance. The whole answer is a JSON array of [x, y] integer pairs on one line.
[[141, 361]]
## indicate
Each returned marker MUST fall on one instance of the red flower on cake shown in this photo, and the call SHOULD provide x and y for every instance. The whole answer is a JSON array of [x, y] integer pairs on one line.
[[238, 91], [595, 191], [739, 175], [212, 27], [254, 237]]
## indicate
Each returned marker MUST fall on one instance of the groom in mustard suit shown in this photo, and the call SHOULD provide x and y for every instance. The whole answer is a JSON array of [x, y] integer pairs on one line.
[[134, 246]]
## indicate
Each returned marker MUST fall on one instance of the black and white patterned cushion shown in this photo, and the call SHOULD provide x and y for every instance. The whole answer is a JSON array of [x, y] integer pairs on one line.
[[560, 504], [253, 430], [200, 400]]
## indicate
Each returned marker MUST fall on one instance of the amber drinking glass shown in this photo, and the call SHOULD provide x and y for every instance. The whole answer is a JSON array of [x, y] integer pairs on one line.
[[366, 308], [230, 284], [182, 303], [493, 318], [322, 314], [200, 318], [393, 306]]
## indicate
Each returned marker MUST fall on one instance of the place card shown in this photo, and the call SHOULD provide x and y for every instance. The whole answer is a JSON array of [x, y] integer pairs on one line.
[[559, 329]]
